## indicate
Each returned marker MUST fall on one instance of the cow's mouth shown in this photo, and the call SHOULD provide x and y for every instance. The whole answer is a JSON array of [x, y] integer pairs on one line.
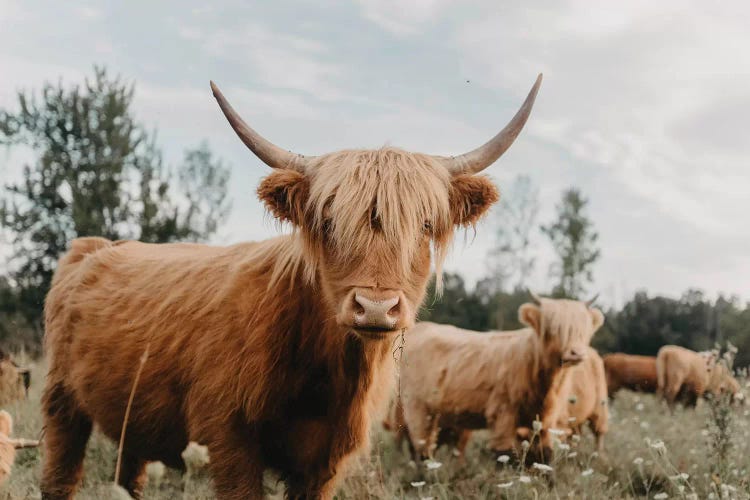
[[372, 332], [572, 361]]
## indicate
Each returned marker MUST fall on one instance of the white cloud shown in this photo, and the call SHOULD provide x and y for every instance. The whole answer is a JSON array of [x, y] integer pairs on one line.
[[280, 60], [402, 18]]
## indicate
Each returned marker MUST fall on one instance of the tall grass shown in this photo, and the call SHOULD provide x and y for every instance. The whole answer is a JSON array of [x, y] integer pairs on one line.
[[649, 454]]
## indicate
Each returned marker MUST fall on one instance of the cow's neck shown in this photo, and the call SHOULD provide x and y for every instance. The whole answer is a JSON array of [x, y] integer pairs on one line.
[[543, 372]]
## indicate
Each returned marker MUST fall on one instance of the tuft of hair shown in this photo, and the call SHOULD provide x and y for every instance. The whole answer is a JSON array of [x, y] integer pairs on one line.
[[567, 319], [402, 191]]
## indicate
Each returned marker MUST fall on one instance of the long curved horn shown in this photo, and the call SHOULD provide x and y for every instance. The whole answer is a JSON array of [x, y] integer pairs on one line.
[[591, 301], [269, 153], [477, 160], [534, 296]]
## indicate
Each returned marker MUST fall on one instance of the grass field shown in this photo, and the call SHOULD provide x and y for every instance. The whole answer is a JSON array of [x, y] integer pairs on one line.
[[649, 454]]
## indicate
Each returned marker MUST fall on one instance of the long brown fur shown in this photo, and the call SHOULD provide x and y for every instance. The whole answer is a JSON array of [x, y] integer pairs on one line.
[[628, 371], [463, 380], [248, 354]]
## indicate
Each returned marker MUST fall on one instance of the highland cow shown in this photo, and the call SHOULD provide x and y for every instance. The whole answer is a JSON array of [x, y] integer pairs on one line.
[[276, 354], [684, 376], [637, 373], [462, 380]]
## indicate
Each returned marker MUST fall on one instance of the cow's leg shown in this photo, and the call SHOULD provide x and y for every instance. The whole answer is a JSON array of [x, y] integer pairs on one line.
[[503, 433], [133, 475], [318, 487], [67, 430], [463, 439], [236, 468], [419, 424]]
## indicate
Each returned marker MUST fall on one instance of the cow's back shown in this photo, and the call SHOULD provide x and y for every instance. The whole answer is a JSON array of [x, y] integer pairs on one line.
[[110, 302], [630, 371]]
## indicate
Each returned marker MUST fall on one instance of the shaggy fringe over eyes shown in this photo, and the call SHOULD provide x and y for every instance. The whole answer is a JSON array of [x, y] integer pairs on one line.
[[403, 190], [568, 320]]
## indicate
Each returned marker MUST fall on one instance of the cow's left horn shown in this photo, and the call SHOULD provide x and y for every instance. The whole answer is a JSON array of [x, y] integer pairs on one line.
[[477, 160], [269, 153], [535, 297], [591, 301]]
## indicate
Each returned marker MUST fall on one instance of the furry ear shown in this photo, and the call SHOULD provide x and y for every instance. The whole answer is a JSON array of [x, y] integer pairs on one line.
[[285, 194], [470, 197], [597, 318], [531, 315]]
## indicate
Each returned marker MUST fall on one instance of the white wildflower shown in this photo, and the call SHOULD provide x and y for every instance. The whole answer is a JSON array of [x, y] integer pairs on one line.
[[524, 444], [426, 498], [418, 484], [505, 485], [587, 472], [572, 420], [432, 465], [563, 446], [536, 425], [704, 432], [637, 460], [644, 425], [503, 459], [658, 445], [542, 467], [195, 457], [661, 496], [572, 454], [524, 479], [639, 407], [155, 472], [557, 432], [575, 437]]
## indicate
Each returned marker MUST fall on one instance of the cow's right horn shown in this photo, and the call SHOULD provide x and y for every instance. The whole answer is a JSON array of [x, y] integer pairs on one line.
[[269, 153], [535, 297], [482, 157]]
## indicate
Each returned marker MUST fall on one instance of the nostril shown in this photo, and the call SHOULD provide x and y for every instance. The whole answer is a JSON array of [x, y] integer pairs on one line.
[[395, 310]]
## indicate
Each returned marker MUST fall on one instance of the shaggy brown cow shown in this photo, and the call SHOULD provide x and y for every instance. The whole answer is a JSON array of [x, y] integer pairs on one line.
[[459, 379], [637, 373], [272, 354], [584, 398], [14, 380], [684, 376]]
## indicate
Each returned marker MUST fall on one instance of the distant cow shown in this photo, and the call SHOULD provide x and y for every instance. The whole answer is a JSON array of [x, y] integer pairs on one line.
[[14, 380], [584, 398], [684, 376], [637, 373], [462, 380], [276, 354]]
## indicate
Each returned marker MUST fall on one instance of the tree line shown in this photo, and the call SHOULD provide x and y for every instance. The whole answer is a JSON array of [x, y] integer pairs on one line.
[[641, 326], [98, 171]]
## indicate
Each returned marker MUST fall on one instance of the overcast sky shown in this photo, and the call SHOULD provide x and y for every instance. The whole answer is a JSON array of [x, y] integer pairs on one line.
[[644, 105]]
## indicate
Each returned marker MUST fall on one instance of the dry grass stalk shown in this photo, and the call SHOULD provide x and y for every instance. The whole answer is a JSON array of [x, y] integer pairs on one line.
[[144, 357]]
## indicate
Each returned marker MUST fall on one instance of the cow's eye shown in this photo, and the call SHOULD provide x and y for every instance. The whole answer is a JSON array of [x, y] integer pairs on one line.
[[427, 227], [326, 227]]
